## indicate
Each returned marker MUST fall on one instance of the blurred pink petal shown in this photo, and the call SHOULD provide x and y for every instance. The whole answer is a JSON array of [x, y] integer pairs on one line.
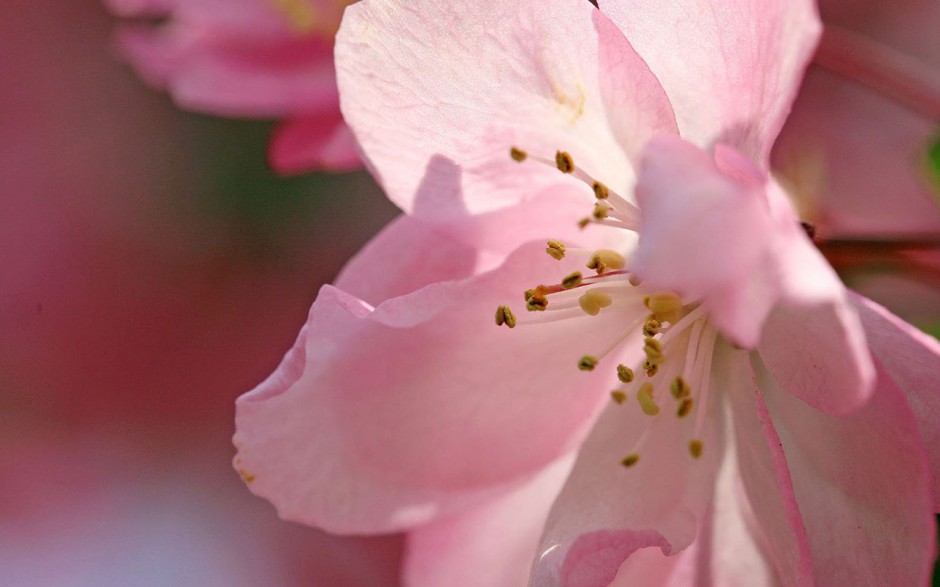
[[853, 152], [250, 58]]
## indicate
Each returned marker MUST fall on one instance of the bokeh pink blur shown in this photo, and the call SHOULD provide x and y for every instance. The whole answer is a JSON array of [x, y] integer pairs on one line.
[[152, 269]]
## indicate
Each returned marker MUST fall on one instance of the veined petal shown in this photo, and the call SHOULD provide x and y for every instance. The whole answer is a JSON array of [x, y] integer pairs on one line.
[[524, 74], [383, 419], [731, 68], [765, 476], [489, 545], [862, 486], [912, 359], [607, 511]]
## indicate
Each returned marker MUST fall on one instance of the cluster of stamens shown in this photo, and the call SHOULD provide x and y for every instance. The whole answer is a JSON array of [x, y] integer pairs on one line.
[[578, 294]]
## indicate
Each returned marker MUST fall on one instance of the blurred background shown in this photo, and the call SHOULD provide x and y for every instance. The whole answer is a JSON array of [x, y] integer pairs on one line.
[[152, 268]]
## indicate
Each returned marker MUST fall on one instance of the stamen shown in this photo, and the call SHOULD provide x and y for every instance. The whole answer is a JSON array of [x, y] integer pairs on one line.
[[601, 210], [587, 363], [650, 368], [654, 351], [592, 302], [652, 326], [645, 397], [604, 259], [618, 396], [695, 448], [572, 281], [601, 191], [556, 250], [564, 162], [505, 316], [679, 388], [665, 306], [685, 407], [537, 302], [624, 373], [630, 460], [518, 154]]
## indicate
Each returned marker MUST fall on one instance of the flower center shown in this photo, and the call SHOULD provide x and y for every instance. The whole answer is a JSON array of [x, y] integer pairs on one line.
[[678, 342]]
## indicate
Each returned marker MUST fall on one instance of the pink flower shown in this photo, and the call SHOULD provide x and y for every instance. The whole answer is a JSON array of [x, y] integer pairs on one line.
[[754, 434], [253, 59]]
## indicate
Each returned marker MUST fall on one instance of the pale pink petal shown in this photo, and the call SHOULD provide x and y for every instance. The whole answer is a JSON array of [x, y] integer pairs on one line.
[[425, 79], [912, 359], [725, 553], [231, 75], [765, 475], [702, 232], [319, 141], [718, 233], [405, 256], [862, 486], [730, 68], [490, 545], [386, 418], [607, 511]]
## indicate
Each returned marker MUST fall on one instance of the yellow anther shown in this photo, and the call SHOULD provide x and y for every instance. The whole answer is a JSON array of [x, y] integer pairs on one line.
[[624, 373], [618, 396], [518, 154], [652, 326], [601, 210], [583, 223], [556, 250], [572, 281], [505, 316], [600, 190], [695, 448], [685, 407], [630, 460], [587, 363], [654, 351], [645, 397], [679, 388], [564, 162], [651, 368], [665, 306], [592, 302], [536, 302], [604, 259]]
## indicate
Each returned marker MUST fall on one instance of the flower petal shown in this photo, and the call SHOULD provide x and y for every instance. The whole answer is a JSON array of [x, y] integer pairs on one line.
[[764, 474], [720, 233], [862, 486], [491, 545], [318, 141], [404, 257], [232, 75], [731, 68], [525, 74], [607, 511], [912, 359], [382, 419]]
